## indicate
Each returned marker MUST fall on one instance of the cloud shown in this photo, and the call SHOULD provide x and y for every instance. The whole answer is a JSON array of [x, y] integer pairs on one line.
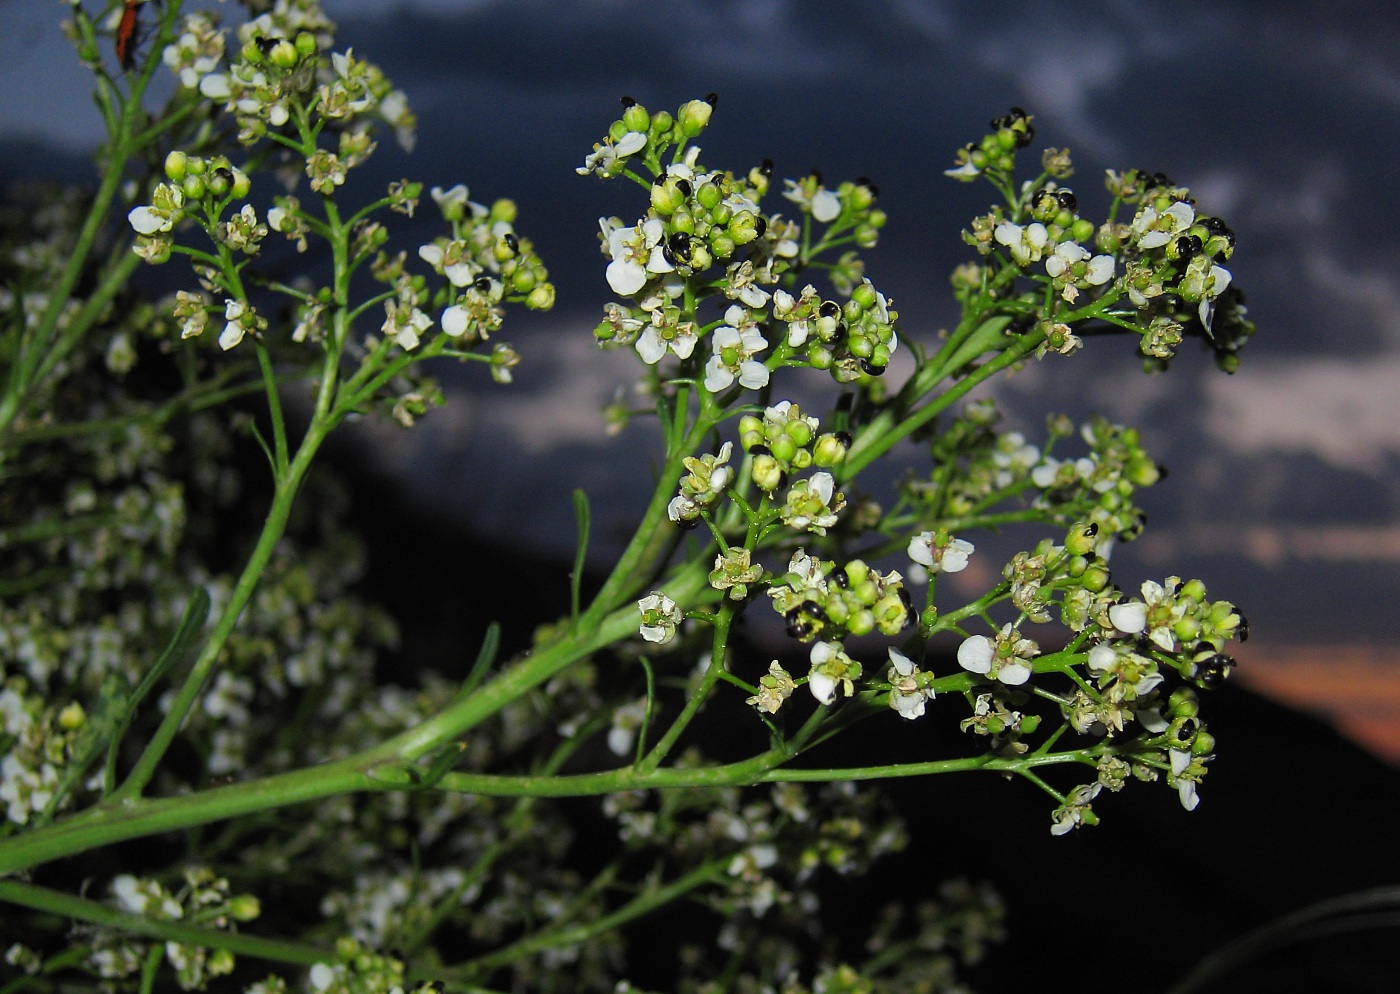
[[1344, 412], [1271, 546]]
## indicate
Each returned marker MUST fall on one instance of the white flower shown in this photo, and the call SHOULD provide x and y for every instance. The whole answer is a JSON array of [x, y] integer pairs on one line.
[[981, 655], [906, 695], [625, 722], [660, 616], [234, 330], [1154, 229], [215, 86], [1066, 254], [1026, 244], [657, 340], [733, 356], [1100, 270], [950, 557], [634, 254], [1070, 815], [832, 670], [1185, 789]]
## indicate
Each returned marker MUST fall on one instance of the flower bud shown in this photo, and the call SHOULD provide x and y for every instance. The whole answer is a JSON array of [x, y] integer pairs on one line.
[[636, 118], [284, 55], [244, 907], [695, 115], [767, 473], [194, 187], [830, 449], [541, 297], [306, 44], [176, 164]]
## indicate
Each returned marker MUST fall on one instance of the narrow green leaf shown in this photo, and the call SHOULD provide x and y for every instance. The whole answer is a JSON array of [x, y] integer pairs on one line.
[[183, 645], [490, 645], [581, 515]]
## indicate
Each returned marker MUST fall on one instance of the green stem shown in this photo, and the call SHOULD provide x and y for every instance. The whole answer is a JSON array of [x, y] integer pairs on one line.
[[273, 528], [881, 435], [81, 909]]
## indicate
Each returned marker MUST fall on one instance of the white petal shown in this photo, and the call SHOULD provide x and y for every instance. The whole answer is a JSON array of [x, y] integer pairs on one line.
[[215, 86], [826, 206], [901, 663], [717, 375], [454, 321], [920, 548], [1130, 617], [626, 277], [231, 335], [1014, 673], [146, 221], [975, 654], [650, 347], [823, 688], [1102, 657], [633, 141], [753, 374], [1100, 270]]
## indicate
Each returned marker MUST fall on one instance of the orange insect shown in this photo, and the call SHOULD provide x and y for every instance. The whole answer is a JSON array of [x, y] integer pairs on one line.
[[126, 33]]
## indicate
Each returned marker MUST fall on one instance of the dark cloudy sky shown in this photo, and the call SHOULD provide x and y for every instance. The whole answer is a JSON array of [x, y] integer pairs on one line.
[[1281, 116]]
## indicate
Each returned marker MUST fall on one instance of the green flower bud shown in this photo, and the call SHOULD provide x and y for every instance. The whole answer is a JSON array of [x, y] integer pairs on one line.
[[1081, 538], [504, 210], [661, 122], [636, 118], [522, 280], [861, 623], [241, 184], [1194, 589], [541, 297], [667, 197], [722, 245], [306, 44], [618, 130], [1204, 744], [194, 187], [1183, 697], [784, 448], [928, 619], [695, 115], [284, 55], [244, 907], [891, 615], [819, 356], [767, 473], [1095, 579], [700, 257], [1187, 629], [1081, 230], [251, 53], [1029, 723], [830, 449], [176, 164], [708, 196]]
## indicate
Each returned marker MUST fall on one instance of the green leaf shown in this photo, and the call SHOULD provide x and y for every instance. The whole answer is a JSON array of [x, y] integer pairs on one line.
[[582, 516], [182, 647], [490, 645]]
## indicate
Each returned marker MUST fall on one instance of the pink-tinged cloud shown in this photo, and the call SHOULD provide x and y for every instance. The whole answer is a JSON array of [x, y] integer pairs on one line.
[[1345, 412]]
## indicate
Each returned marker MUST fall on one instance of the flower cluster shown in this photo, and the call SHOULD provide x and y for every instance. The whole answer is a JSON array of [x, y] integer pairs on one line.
[[704, 234], [817, 598]]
